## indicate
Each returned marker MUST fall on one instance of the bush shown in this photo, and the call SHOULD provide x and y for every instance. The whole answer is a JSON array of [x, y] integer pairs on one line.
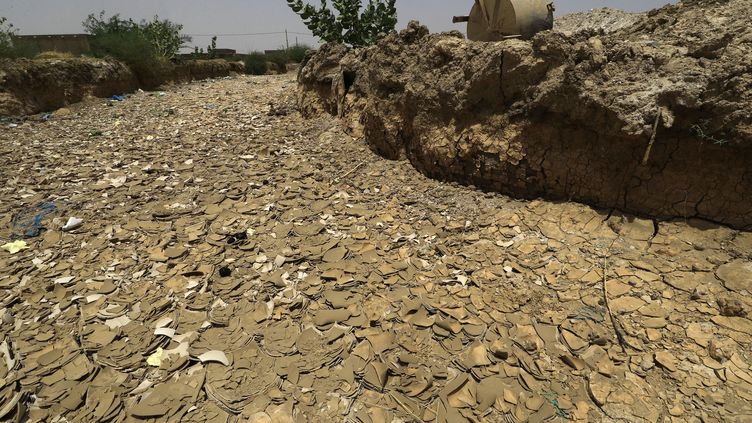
[[255, 64], [133, 49], [146, 47], [297, 53], [351, 24], [163, 36], [280, 60], [6, 38], [10, 47]]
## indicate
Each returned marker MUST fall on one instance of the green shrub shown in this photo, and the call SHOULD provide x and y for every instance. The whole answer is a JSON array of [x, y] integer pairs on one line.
[[349, 22], [280, 60], [6, 38], [10, 47], [297, 53], [146, 47], [133, 49], [163, 36], [255, 64]]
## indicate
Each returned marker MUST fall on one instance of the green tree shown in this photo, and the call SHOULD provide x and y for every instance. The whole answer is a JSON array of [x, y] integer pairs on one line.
[[212, 48], [124, 40], [349, 22], [255, 63], [11, 47], [165, 36], [98, 25], [297, 52], [6, 37]]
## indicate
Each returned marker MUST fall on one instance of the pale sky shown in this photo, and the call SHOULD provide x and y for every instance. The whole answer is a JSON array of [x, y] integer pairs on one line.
[[202, 18]]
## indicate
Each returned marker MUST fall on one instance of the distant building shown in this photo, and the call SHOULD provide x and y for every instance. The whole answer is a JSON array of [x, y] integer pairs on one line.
[[76, 44], [218, 53], [225, 52]]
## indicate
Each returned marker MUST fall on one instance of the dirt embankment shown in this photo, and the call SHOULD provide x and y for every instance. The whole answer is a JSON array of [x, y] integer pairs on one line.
[[32, 86], [196, 70], [565, 117], [604, 19]]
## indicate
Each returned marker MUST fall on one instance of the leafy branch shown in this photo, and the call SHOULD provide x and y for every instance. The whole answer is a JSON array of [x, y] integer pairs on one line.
[[349, 22]]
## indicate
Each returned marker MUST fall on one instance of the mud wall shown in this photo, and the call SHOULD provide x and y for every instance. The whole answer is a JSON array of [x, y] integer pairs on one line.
[[564, 117], [67, 43], [33, 86]]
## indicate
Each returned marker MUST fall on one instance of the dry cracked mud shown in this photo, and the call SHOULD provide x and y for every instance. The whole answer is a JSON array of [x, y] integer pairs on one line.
[[238, 263]]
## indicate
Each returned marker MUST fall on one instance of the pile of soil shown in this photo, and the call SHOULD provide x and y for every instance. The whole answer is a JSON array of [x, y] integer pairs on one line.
[[604, 19], [32, 86], [654, 118]]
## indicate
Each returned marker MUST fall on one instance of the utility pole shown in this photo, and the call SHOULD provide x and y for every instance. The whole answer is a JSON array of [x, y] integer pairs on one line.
[[287, 40]]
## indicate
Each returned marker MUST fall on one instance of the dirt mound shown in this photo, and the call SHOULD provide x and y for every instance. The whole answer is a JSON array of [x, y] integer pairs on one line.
[[604, 20], [193, 70], [654, 119], [32, 86]]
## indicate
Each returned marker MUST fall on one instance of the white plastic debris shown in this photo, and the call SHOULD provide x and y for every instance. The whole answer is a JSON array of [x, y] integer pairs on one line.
[[215, 356], [73, 223]]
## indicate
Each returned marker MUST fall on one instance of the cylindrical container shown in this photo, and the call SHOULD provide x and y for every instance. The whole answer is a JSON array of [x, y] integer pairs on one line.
[[494, 20]]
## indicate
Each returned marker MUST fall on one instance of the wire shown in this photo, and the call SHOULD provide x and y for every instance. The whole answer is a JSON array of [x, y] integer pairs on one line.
[[250, 34]]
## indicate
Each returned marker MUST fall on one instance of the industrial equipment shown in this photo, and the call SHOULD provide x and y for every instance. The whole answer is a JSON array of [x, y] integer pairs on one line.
[[495, 20]]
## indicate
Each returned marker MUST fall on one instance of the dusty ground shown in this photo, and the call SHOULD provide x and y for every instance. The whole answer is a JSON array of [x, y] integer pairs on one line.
[[239, 263]]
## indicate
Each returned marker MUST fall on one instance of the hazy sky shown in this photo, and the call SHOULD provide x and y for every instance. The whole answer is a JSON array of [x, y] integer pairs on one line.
[[205, 17]]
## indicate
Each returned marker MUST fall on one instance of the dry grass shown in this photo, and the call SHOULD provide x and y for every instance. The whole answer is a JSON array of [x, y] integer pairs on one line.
[[54, 55]]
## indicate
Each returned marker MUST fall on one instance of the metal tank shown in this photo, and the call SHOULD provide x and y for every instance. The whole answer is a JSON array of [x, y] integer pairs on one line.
[[494, 20]]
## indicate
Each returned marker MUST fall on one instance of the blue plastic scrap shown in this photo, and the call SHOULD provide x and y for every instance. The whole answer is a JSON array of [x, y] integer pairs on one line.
[[552, 399], [117, 98], [28, 223]]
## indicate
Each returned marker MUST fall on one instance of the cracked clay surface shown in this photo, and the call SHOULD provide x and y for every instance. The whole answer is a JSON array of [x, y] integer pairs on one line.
[[238, 263]]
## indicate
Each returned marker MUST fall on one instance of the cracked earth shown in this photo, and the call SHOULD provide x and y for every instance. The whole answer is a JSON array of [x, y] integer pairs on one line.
[[238, 263]]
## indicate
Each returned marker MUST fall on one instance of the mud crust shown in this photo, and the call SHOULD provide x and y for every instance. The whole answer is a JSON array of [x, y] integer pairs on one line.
[[564, 117]]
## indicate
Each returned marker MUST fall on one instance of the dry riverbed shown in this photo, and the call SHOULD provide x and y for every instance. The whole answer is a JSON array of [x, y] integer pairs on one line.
[[238, 263]]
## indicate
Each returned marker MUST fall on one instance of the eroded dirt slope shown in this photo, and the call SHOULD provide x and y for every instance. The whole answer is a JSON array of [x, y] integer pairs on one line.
[[565, 117], [31, 86], [355, 289], [600, 20], [43, 85]]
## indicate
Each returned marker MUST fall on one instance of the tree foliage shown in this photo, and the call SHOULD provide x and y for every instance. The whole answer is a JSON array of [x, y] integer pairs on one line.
[[297, 52], [11, 47], [98, 25], [212, 48], [161, 37], [255, 64], [350, 22], [165, 36], [6, 37]]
